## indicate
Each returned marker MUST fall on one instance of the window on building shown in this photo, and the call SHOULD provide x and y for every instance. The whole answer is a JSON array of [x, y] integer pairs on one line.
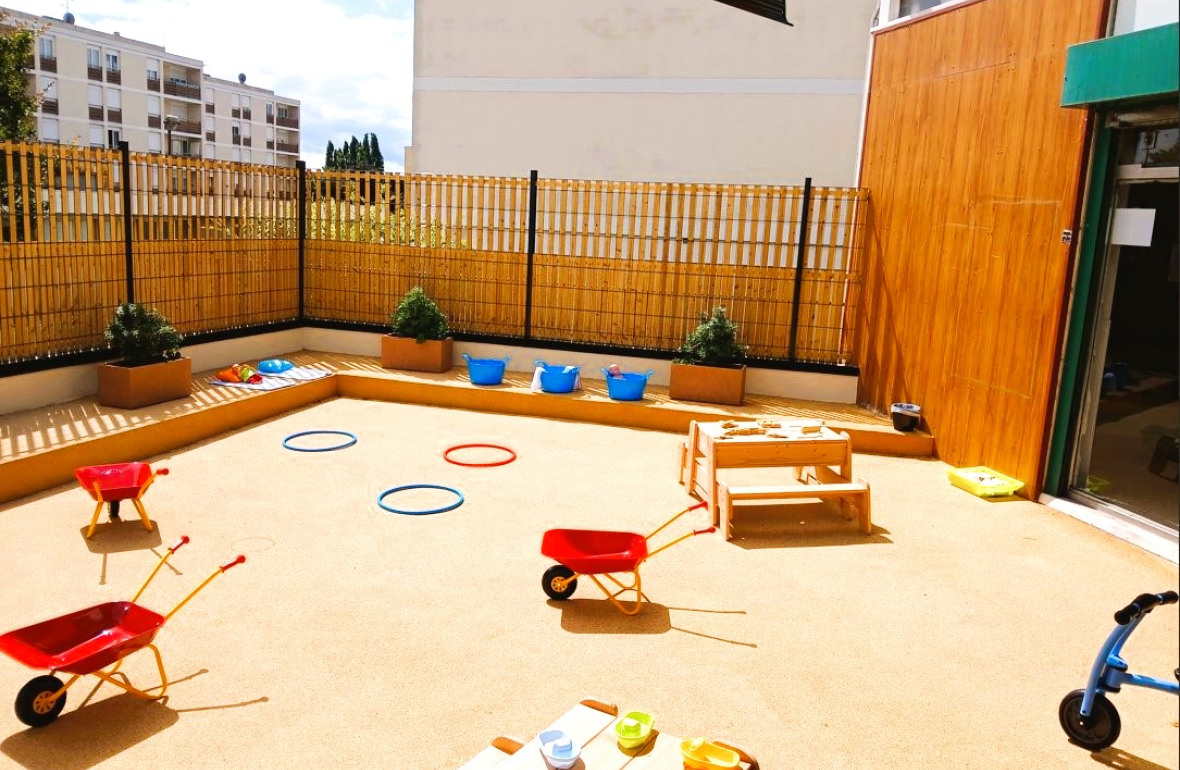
[[153, 105], [270, 109], [154, 141], [114, 99], [245, 156], [283, 112], [210, 123], [93, 57], [47, 87], [246, 103], [47, 46], [270, 159], [235, 131], [153, 69], [911, 7], [236, 155], [113, 61], [113, 138], [235, 101], [270, 134], [50, 130], [94, 93], [95, 136]]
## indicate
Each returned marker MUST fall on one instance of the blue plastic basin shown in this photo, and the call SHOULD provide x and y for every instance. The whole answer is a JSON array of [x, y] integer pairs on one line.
[[626, 387], [486, 371], [558, 379]]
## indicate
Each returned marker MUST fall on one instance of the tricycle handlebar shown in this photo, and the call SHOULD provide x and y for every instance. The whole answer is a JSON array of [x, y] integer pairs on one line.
[[1143, 604]]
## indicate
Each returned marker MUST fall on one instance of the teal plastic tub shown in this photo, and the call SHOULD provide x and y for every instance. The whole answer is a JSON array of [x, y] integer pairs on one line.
[[486, 371], [628, 386]]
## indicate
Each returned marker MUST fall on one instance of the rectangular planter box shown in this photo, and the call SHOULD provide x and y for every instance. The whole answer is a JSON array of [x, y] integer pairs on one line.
[[710, 384], [407, 353], [132, 387]]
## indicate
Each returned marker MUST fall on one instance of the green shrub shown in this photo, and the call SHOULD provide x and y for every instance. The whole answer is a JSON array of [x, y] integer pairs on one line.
[[141, 335], [417, 316], [713, 342]]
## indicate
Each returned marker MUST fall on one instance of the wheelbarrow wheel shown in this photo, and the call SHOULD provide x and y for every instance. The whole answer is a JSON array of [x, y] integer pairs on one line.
[[33, 705], [553, 584], [1095, 732]]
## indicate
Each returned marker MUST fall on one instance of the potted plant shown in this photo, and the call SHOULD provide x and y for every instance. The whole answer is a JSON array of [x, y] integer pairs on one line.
[[709, 365], [418, 338], [150, 369]]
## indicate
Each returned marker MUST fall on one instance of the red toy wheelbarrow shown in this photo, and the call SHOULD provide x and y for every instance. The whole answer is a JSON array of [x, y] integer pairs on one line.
[[110, 484], [86, 642], [593, 552]]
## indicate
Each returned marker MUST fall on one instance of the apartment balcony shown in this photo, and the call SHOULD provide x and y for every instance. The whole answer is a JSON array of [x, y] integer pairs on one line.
[[95, 113], [49, 106], [188, 127], [114, 116], [49, 64], [153, 84], [287, 122], [270, 144], [285, 147], [153, 121], [94, 73], [182, 90], [115, 76], [270, 119]]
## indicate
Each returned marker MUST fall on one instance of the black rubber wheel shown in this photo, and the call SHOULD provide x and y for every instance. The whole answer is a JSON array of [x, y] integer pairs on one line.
[[32, 702], [113, 505], [551, 576], [1096, 732]]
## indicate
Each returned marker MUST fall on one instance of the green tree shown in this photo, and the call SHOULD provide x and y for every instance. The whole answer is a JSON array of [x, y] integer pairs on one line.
[[355, 155], [18, 105], [330, 156]]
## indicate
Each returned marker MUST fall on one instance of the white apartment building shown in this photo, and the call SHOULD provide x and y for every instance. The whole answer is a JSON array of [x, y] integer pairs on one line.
[[659, 90], [98, 89]]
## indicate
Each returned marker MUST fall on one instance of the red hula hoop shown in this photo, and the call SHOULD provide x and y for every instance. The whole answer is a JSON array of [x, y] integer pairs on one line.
[[447, 455]]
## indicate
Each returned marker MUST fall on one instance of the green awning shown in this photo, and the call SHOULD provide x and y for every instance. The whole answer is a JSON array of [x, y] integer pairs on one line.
[[1136, 67]]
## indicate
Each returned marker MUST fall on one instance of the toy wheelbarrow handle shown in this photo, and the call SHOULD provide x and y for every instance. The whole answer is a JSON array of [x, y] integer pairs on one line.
[[241, 559]]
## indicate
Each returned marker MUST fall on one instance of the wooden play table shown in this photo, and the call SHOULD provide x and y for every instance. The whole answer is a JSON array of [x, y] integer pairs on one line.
[[592, 725], [819, 456]]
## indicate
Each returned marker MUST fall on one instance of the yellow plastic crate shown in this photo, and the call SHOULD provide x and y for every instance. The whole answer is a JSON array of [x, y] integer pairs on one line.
[[982, 481]]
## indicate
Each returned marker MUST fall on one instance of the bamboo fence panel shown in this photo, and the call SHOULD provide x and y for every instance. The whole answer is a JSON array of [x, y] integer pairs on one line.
[[61, 251], [216, 243]]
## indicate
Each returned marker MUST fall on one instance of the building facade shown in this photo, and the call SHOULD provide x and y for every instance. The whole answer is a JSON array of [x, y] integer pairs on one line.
[[663, 90], [99, 88]]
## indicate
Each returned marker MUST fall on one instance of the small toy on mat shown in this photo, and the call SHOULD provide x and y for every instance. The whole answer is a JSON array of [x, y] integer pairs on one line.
[[240, 373], [111, 484]]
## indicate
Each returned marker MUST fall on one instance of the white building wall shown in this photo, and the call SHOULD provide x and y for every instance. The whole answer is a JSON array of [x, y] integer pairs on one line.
[[665, 90]]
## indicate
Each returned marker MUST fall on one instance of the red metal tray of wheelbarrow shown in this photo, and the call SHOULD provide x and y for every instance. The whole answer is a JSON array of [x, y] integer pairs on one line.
[[87, 642], [593, 552], [111, 484]]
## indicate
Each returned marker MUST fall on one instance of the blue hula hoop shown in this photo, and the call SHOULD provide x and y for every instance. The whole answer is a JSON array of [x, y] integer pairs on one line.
[[443, 509], [351, 439]]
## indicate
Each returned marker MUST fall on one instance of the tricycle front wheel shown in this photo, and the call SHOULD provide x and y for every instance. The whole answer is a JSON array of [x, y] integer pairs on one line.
[[557, 583], [1095, 732], [35, 704]]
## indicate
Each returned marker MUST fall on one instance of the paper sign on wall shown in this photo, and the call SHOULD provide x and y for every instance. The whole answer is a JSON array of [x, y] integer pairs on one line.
[[1132, 227]]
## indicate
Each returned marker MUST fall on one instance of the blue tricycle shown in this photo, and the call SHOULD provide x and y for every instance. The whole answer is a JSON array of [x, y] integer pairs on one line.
[[1087, 716]]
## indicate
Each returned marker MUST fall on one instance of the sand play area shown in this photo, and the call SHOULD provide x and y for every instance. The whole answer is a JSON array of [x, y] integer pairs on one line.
[[353, 637]]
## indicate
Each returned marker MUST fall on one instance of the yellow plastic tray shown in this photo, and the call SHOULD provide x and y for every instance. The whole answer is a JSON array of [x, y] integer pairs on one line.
[[982, 481]]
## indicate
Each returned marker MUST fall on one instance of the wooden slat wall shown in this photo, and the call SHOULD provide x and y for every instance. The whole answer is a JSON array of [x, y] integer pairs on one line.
[[973, 169]]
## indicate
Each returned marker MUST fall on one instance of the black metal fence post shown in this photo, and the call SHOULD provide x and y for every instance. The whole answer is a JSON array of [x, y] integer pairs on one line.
[[528, 276], [128, 252], [800, 261], [301, 194]]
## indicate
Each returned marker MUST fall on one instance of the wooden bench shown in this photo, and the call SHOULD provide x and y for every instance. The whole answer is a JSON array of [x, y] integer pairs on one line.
[[854, 494]]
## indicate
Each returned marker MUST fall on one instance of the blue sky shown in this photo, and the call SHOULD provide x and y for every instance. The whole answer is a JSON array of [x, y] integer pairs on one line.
[[349, 62]]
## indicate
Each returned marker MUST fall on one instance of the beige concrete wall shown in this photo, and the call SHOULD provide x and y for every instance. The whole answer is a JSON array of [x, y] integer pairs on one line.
[[665, 90]]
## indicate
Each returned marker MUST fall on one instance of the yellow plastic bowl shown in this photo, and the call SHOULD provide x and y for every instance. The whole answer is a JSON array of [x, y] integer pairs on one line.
[[634, 729], [701, 754]]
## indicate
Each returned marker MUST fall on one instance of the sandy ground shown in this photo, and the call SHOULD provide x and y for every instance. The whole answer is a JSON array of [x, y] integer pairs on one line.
[[357, 638]]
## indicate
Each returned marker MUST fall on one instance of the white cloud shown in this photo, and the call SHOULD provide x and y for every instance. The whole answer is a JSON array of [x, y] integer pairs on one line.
[[349, 63]]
